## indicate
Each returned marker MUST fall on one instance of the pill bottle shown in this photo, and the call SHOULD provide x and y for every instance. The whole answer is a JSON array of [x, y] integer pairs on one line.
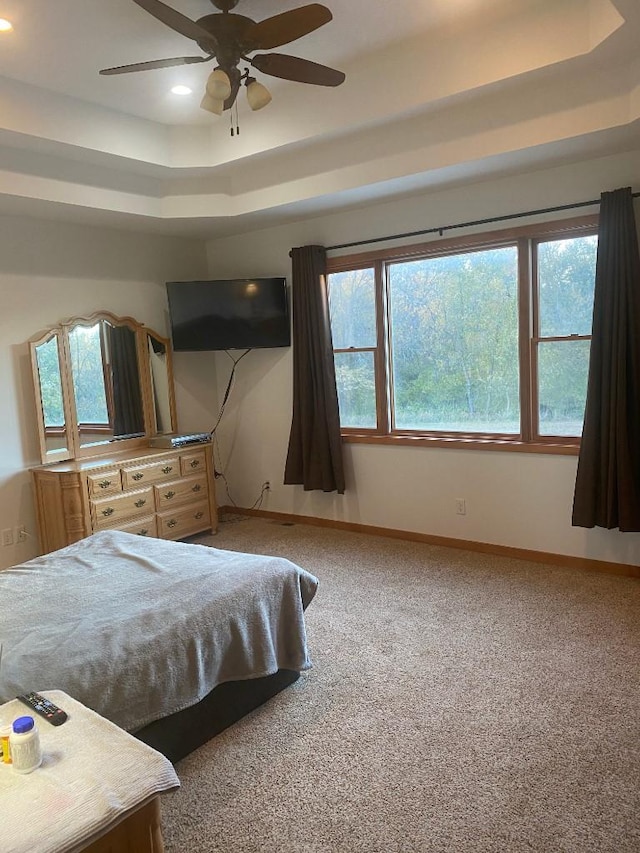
[[26, 753], [5, 749]]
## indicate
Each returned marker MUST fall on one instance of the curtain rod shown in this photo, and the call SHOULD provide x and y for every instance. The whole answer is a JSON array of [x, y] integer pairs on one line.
[[441, 229]]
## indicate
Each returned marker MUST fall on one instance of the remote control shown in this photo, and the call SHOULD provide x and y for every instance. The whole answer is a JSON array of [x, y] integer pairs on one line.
[[54, 715]]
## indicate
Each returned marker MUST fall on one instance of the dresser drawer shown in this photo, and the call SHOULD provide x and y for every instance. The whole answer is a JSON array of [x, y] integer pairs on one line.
[[189, 490], [108, 512], [104, 483], [140, 475], [183, 521], [193, 462], [145, 526]]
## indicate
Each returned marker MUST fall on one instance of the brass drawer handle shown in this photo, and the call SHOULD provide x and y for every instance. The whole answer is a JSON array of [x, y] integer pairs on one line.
[[172, 523], [137, 476], [195, 463], [104, 484], [143, 532], [108, 511], [196, 488], [169, 495], [167, 469], [140, 502], [198, 515]]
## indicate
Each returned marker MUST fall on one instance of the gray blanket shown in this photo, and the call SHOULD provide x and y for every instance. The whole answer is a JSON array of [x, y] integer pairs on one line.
[[138, 628]]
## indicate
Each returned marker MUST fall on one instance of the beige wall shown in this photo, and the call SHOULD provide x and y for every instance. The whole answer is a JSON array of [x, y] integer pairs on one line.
[[514, 499], [50, 271]]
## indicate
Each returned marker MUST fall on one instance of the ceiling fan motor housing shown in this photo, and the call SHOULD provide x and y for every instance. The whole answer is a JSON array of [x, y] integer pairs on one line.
[[229, 32], [225, 5]]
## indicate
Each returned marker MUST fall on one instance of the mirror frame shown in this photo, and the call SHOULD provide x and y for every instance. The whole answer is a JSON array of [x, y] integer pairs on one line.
[[74, 449]]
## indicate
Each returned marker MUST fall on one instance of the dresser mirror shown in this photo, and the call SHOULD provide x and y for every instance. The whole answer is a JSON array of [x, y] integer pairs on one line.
[[100, 380], [46, 363]]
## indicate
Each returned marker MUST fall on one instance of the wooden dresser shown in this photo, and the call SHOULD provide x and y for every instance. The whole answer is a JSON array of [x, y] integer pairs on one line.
[[164, 493]]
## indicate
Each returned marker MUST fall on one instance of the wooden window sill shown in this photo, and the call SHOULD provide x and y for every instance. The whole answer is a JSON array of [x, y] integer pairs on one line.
[[510, 445]]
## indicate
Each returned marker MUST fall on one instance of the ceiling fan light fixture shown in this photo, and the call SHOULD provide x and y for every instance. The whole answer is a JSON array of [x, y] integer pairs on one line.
[[258, 95], [219, 85], [212, 105]]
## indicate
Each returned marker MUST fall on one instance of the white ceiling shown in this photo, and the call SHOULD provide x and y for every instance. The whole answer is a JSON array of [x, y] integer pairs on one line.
[[437, 92]]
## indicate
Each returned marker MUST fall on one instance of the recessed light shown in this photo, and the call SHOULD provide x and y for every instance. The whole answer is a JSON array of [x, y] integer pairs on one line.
[[5, 26], [181, 90]]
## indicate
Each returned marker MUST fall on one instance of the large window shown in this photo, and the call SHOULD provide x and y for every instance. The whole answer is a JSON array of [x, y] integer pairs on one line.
[[483, 340]]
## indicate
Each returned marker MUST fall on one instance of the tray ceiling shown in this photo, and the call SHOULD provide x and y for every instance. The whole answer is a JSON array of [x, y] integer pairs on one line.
[[437, 92]]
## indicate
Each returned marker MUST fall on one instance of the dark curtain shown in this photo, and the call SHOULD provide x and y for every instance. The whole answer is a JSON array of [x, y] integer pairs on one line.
[[314, 459], [607, 492], [127, 395]]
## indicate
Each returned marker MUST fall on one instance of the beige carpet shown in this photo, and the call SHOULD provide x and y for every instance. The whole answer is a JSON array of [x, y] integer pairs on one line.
[[458, 702]]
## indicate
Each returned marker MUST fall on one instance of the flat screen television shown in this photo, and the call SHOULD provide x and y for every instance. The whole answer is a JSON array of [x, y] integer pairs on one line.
[[241, 313]]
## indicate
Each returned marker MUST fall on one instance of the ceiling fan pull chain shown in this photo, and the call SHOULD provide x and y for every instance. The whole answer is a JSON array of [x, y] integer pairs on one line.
[[236, 131]]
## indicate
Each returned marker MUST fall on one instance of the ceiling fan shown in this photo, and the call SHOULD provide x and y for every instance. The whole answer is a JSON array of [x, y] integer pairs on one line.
[[229, 39]]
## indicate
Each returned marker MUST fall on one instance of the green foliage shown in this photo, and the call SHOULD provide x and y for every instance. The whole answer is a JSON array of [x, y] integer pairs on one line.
[[454, 322]]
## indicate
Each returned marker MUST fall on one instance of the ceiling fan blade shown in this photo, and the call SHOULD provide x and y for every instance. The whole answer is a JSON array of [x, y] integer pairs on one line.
[[178, 22], [286, 27], [299, 70], [156, 63]]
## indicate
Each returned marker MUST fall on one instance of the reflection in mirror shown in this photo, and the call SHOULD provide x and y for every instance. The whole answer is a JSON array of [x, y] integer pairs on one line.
[[49, 374], [106, 382], [159, 370]]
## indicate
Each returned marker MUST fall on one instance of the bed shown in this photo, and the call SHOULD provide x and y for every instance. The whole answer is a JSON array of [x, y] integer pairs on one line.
[[169, 640]]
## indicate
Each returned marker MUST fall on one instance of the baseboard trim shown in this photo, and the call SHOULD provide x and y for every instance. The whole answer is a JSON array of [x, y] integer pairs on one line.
[[562, 560]]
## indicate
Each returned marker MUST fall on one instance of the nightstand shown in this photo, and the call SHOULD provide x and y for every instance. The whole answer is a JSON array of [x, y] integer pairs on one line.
[[96, 790]]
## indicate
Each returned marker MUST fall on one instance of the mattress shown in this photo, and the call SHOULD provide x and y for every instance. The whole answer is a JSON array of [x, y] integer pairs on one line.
[[138, 629]]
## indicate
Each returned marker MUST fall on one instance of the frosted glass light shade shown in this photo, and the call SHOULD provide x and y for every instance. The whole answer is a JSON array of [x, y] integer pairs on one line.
[[258, 95], [219, 85], [212, 105]]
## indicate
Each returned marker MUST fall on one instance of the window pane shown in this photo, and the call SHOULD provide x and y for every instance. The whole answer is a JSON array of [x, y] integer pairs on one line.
[[562, 382], [352, 305], [88, 374], [355, 378], [566, 276], [454, 323]]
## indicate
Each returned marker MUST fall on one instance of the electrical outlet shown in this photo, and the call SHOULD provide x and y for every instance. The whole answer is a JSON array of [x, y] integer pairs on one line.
[[266, 486], [7, 536], [461, 506], [20, 533]]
